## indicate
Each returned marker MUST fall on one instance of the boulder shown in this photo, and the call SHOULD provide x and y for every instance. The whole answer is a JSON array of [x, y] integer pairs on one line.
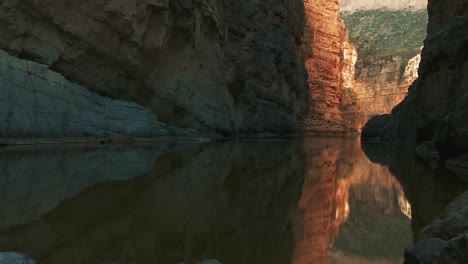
[[377, 129]]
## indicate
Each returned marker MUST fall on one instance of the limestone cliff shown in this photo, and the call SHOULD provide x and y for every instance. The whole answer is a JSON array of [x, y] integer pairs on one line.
[[380, 83], [326, 52], [435, 109], [232, 67], [219, 65], [39, 105], [388, 44]]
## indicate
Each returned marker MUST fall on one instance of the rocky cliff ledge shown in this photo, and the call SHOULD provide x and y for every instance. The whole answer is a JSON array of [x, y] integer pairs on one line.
[[435, 110], [231, 67], [389, 45], [329, 63]]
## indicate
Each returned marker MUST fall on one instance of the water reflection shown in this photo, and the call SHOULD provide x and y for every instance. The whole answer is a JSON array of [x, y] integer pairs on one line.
[[314, 201], [349, 211], [428, 191]]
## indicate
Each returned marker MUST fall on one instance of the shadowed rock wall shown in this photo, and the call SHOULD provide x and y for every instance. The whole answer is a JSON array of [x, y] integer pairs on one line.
[[225, 66], [435, 109]]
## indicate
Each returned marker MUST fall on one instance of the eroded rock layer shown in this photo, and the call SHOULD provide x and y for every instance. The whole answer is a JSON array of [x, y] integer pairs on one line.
[[227, 66], [38, 105], [325, 48], [435, 109], [389, 45], [380, 83]]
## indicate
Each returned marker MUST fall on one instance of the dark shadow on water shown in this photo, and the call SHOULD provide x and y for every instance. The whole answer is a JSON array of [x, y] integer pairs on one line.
[[317, 200], [428, 191]]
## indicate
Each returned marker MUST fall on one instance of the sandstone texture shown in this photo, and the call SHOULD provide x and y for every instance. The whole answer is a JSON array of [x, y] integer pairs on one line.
[[329, 62], [230, 67], [227, 66], [380, 84], [388, 46]]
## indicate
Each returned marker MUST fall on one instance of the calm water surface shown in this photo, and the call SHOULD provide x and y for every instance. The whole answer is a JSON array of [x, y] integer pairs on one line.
[[312, 201]]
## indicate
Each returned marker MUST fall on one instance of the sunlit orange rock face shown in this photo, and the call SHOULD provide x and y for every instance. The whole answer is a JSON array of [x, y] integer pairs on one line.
[[334, 171], [380, 85], [323, 48]]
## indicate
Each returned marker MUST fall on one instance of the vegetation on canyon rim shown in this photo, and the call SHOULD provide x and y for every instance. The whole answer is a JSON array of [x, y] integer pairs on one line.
[[385, 32]]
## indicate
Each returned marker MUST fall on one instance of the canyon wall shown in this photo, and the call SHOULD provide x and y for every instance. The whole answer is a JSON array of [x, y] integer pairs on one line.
[[327, 54], [235, 68], [435, 109], [214, 65], [380, 84], [389, 45], [39, 105]]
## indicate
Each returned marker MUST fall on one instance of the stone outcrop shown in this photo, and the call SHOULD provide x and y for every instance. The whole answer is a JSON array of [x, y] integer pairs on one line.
[[388, 44], [445, 240], [38, 105], [236, 68], [450, 223], [380, 84], [435, 109], [354, 5], [329, 63], [218, 65]]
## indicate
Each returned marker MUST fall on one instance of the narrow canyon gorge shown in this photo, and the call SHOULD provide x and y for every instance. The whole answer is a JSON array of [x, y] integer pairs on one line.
[[230, 129], [388, 44], [148, 69], [142, 69]]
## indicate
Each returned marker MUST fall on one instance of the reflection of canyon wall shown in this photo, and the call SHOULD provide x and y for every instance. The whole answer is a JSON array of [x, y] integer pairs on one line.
[[37, 180], [379, 215], [344, 191], [428, 191], [226, 201], [323, 204]]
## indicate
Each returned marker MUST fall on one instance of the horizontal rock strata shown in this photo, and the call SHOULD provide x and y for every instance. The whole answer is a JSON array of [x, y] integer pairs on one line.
[[38, 105], [230, 67], [435, 109]]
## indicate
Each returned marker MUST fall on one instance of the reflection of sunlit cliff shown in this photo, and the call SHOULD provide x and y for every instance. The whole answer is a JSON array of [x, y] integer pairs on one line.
[[323, 205], [340, 178], [374, 186]]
